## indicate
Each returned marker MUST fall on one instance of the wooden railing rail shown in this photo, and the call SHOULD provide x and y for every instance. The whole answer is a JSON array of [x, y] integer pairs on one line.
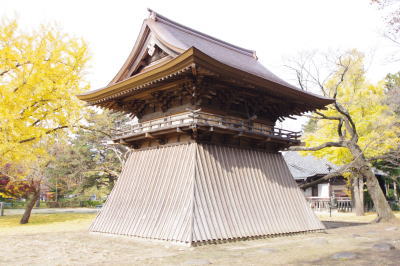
[[342, 204], [200, 118]]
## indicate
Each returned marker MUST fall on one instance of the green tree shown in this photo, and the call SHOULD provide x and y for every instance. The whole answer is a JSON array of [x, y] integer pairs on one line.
[[392, 85], [357, 128], [390, 161], [90, 159]]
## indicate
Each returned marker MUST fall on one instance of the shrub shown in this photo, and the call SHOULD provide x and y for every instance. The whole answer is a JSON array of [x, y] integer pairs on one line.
[[91, 203]]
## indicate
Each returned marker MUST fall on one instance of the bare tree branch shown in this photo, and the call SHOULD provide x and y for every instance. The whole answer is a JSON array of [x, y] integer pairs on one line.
[[320, 147], [94, 130], [350, 125], [47, 132], [320, 180], [336, 173], [328, 117], [339, 129]]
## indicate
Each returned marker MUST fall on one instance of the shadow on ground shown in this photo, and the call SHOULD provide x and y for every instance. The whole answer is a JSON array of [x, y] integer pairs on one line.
[[362, 257], [335, 224]]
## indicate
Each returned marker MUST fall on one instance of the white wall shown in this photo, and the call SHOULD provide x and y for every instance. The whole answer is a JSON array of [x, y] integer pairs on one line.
[[323, 190]]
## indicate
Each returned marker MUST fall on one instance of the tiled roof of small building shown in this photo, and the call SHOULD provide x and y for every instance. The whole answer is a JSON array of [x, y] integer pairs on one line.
[[302, 167]]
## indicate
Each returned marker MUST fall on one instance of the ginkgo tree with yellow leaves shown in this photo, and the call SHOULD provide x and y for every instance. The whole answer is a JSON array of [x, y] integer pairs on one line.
[[359, 126], [40, 74]]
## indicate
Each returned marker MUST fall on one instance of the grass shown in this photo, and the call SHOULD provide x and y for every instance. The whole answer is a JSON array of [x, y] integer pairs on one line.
[[56, 222], [351, 217], [62, 238], [67, 222]]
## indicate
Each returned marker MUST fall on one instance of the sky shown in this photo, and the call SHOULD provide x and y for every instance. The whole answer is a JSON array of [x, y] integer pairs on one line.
[[276, 30]]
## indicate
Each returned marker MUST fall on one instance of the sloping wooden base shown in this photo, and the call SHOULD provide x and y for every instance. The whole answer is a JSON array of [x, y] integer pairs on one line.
[[192, 193]]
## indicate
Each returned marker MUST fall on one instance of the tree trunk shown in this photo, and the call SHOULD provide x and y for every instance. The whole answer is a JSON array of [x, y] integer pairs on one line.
[[1, 208], [361, 190], [396, 196], [358, 195], [386, 188], [31, 200], [382, 207]]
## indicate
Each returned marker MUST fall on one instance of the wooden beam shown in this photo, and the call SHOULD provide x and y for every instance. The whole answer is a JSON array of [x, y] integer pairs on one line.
[[148, 135], [240, 134]]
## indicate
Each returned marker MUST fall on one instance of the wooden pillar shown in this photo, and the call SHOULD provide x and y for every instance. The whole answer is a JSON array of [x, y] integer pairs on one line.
[[329, 189]]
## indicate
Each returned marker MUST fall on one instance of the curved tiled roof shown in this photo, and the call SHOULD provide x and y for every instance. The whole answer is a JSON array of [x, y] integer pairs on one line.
[[302, 167], [179, 41], [182, 38]]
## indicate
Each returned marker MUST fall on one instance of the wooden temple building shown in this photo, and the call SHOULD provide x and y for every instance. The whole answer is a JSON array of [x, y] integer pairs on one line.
[[205, 164]]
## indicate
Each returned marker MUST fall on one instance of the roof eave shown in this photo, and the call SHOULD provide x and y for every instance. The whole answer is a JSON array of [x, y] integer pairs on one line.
[[175, 65], [195, 56], [213, 64]]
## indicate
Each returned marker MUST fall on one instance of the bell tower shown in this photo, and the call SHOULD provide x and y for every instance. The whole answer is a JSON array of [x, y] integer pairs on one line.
[[206, 164]]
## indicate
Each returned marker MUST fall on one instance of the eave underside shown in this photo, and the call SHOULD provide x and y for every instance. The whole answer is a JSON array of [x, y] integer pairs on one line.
[[195, 67]]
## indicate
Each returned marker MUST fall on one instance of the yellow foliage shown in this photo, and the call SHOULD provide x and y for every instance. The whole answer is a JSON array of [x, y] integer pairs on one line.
[[377, 126], [40, 74]]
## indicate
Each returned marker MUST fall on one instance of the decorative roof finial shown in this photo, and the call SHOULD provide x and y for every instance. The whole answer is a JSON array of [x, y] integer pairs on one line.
[[152, 14]]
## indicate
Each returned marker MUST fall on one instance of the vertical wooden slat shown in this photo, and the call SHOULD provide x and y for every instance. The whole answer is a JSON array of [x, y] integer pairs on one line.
[[258, 195], [198, 192], [152, 197]]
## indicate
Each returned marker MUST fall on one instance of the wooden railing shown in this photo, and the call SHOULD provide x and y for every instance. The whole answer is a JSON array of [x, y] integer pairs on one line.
[[196, 118], [342, 204], [318, 203]]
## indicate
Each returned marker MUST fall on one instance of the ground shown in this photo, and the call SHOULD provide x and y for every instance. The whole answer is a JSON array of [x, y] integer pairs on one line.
[[63, 239]]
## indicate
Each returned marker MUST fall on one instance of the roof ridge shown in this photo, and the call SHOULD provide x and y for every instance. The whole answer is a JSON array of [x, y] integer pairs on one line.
[[299, 167], [157, 17]]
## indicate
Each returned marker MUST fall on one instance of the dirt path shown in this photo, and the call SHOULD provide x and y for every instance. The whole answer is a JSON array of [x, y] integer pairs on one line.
[[78, 247]]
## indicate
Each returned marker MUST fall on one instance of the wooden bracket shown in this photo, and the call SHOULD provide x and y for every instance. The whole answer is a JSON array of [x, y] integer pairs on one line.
[[195, 133], [240, 134], [135, 145], [148, 135], [163, 98], [161, 141]]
